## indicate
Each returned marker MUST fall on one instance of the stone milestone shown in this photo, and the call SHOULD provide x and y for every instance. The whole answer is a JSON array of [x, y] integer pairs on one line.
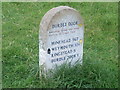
[[60, 38]]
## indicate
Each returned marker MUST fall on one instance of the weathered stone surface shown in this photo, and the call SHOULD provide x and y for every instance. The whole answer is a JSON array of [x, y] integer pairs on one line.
[[60, 37]]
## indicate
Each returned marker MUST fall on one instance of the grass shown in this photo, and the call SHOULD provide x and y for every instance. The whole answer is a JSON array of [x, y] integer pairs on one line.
[[20, 27]]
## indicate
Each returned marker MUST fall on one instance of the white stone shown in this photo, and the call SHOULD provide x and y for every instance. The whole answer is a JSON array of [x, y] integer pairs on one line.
[[61, 37]]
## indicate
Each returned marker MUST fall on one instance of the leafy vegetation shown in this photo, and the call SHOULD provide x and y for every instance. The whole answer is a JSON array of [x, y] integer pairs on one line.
[[20, 30]]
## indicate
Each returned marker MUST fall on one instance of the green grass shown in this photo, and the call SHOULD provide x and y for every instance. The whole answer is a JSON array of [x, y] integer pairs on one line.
[[20, 30]]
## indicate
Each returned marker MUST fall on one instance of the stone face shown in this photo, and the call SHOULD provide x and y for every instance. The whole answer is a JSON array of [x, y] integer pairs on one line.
[[60, 38]]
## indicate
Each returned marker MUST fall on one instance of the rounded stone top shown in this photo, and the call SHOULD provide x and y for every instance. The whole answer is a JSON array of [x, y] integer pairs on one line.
[[55, 14], [51, 13]]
